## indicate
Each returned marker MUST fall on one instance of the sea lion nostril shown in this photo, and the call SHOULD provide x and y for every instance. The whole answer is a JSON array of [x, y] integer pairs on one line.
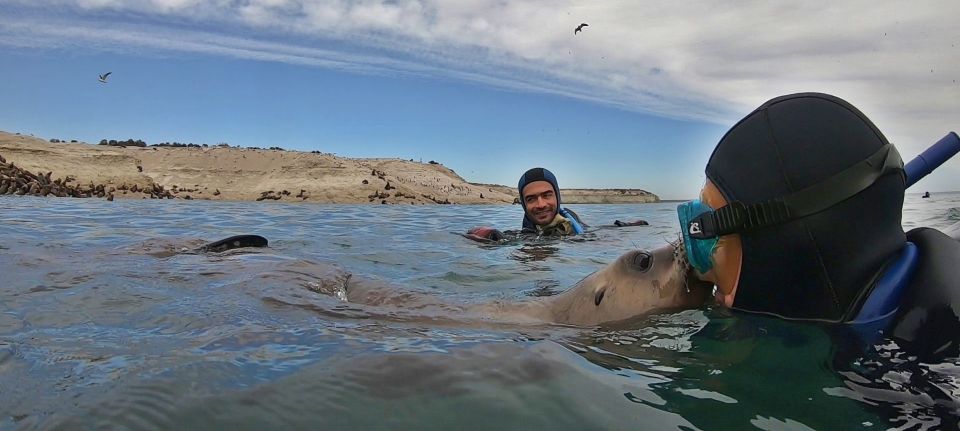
[[599, 297]]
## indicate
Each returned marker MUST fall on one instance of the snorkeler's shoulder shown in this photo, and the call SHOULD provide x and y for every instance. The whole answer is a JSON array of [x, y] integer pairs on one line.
[[929, 316]]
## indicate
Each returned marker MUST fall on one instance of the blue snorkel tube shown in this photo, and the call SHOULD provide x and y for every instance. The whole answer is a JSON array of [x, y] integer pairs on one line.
[[932, 158], [577, 228], [883, 302]]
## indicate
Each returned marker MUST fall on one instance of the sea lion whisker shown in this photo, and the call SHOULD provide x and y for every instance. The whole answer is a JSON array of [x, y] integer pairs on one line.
[[684, 267]]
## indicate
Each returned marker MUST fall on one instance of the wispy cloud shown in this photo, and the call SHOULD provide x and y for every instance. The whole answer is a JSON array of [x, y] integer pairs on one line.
[[707, 61]]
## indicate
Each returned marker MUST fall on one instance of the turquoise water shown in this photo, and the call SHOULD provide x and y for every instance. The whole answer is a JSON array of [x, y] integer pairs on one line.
[[105, 324]]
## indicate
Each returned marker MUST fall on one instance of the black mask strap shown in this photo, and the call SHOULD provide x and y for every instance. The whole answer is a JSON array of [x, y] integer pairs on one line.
[[737, 217]]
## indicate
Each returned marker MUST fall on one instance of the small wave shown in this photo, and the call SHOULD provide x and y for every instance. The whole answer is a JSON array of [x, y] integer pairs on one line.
[[953, 214]]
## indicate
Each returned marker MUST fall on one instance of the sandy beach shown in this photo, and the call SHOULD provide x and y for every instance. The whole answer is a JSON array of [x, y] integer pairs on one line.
[[245, 174]]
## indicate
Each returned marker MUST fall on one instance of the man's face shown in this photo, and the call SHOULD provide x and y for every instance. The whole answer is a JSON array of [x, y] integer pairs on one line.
[[540, 201]]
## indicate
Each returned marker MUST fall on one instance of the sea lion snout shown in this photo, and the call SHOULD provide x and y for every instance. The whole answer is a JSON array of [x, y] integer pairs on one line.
[[636, 283]]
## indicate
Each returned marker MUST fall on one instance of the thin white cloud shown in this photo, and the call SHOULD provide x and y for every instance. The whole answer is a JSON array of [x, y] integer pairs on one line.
[[709, 61]]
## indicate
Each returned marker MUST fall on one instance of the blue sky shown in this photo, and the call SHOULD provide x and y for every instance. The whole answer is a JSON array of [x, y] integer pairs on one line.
[[488, 88]]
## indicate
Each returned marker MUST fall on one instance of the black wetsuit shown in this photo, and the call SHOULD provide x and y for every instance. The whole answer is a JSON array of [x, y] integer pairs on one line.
[[927, 322]]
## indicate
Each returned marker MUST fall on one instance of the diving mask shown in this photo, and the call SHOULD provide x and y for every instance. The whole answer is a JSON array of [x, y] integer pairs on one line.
[[699, 250]]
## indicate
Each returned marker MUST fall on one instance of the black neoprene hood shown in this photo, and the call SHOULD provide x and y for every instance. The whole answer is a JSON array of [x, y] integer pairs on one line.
[[819, 266], [531, 175]]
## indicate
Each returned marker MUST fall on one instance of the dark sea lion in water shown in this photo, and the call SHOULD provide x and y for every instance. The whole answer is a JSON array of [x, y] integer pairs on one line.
[[168, 247], [619, 223], [237, 241], [637, 283]]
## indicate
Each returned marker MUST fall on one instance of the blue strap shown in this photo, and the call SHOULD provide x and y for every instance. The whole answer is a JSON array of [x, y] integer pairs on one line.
[[884, 300]]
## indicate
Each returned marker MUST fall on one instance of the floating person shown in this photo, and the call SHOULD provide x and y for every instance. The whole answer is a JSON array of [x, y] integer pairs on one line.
[[540, 197], [804, 237], [926, 195], [103, 78], [542, 213], [580, 28]]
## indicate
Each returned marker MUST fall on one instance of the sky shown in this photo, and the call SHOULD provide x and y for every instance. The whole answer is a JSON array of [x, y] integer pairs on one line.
[[637, 99]]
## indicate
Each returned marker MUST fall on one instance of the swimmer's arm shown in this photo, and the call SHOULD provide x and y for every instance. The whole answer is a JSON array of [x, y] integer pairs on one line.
[[484, 234]]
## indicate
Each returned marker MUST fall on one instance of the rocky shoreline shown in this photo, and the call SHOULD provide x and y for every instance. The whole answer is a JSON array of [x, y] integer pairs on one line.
[[32, 166]]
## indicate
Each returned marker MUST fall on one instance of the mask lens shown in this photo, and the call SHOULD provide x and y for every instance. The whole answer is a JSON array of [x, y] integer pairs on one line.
[[699, 251]]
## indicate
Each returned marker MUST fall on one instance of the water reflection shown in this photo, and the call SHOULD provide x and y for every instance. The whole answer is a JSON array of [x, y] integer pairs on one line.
[[529, 253], [545, 287]]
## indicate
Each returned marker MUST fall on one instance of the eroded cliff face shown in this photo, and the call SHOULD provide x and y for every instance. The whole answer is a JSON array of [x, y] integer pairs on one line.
[[245, 174], [226, 173]]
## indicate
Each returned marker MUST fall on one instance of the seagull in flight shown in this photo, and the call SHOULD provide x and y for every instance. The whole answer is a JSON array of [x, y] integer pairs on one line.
[[580, 28], [103, 78]]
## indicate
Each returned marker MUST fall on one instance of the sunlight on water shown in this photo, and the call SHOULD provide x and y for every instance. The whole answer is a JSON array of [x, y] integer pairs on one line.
[[106, 322]]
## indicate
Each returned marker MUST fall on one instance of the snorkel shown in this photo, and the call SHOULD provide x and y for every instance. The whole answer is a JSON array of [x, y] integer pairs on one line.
[[884, 300], [932, 158]]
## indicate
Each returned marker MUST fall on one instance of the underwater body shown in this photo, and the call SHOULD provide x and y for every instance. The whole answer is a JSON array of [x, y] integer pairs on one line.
[[109, 319]]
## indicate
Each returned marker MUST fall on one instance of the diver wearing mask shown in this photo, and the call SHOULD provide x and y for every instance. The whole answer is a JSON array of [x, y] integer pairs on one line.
[[800, 218]]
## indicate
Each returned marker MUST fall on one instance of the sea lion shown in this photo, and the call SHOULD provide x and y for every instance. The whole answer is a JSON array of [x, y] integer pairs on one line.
[[237, 241], [636, 283]]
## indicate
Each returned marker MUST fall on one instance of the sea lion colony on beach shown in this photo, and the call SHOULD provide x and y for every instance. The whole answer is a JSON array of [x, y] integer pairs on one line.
[[17, 181]]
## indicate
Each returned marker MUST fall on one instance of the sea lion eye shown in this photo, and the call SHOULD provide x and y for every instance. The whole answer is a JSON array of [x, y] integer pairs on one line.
[[642, 261]]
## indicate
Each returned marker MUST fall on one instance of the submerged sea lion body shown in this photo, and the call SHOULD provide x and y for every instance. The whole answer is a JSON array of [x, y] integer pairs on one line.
[[637, 283]]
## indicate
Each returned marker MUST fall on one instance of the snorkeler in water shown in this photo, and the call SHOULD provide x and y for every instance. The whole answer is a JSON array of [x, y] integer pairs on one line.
[[781, 230], [542, 213]]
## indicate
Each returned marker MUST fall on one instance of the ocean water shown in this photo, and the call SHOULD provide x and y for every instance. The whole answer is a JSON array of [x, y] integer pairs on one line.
[[107, 321]]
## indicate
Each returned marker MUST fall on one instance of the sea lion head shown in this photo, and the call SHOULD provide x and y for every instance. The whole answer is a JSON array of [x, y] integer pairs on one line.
[[637, 283]]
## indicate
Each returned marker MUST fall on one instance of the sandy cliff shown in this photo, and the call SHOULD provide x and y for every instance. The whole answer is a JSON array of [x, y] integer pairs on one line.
[[229, 173]]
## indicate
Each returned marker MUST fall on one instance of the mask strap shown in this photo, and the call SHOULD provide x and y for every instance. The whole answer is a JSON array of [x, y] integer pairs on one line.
[[737, 217]]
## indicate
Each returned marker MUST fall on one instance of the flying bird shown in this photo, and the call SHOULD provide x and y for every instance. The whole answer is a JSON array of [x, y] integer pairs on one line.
[[580, 28], [103, 78]]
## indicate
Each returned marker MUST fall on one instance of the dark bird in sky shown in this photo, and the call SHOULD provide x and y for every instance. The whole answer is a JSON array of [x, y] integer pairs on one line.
[[103, 78], [580, 28]]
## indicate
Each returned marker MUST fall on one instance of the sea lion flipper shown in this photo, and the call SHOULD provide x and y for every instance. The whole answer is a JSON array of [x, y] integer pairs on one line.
[[237, 241]]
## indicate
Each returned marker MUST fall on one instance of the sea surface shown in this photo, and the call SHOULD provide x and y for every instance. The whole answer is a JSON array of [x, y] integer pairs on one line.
[[108, 320]]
